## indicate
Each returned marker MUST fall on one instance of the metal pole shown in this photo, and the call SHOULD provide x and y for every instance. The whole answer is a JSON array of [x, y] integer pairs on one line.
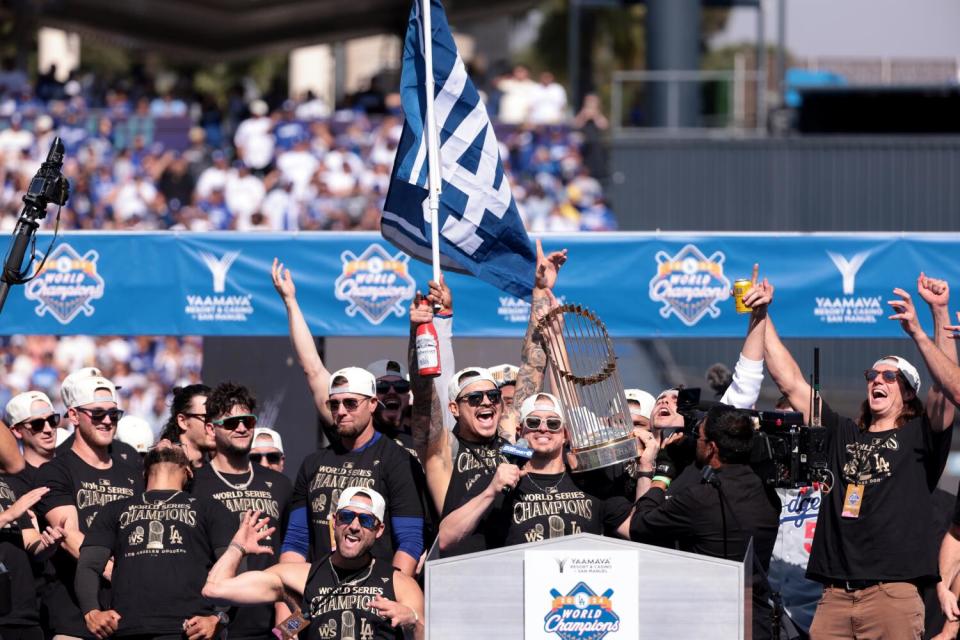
[[433, 148], [761, 68], [782, 50], [573, 51]]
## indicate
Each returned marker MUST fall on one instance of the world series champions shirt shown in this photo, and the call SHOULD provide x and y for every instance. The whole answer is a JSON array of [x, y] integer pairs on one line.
[[546, 506], [20, 566], [339, 602], [163, 545], [381, 465], [73, 482], [474, 464], [268, 492]]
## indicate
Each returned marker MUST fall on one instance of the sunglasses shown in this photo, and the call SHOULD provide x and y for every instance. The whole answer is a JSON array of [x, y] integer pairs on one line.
[[532, 423], [232, 422], [272, 458], [198, 416], [400, 386], [367, 520], [350, 404], [888, 376], [97, 415], [38, 424], [475, 398]]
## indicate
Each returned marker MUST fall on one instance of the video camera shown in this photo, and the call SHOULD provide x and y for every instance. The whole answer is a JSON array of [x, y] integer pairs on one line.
[[786, 453]]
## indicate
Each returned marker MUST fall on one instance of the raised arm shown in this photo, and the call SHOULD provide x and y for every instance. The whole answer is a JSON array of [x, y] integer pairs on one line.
[[939, 410], [11, 460], [533, 358], [744, 389], [431, 439], [318, 377], [947, 376], [785, 371]]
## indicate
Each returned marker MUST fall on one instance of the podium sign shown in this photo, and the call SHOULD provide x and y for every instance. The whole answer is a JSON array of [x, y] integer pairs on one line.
[[585, 595]]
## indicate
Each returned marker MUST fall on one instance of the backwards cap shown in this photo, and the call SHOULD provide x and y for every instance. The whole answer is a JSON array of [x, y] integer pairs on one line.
[[464, 378], [908, 370], [347, 501]]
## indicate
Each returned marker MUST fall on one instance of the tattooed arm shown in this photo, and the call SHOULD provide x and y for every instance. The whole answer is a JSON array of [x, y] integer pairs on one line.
[[430, 438], [533, 358]]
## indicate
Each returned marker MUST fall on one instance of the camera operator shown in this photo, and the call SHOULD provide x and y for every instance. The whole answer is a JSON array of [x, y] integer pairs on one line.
[[718, 516], [874, 544]]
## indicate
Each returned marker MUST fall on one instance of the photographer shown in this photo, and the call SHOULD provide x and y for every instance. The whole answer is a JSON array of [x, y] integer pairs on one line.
[[874, 545], [718, 516]]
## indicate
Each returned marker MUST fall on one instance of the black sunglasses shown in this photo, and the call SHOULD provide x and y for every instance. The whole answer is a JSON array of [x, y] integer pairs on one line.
[[198, 416], [37, 424], [272, 458], [367, 520], [888, 376], [350, 404], [97, 415], [230, 423], [475, 398], [400, 386], [533, 423]]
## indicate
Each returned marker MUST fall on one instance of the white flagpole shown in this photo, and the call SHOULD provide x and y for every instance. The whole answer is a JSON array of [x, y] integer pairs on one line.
[[433, 146]]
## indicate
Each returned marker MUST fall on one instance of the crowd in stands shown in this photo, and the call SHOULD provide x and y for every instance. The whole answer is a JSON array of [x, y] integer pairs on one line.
[[145, 368], [274, 163]]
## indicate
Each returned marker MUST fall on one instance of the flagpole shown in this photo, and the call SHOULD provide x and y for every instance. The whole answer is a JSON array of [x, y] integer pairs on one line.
[[433, 147]]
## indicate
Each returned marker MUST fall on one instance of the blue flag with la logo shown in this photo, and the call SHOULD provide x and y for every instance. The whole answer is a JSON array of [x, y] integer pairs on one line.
[[480, 228]]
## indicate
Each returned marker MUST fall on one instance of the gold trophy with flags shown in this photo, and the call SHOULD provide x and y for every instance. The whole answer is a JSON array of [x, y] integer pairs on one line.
[[583, 369]]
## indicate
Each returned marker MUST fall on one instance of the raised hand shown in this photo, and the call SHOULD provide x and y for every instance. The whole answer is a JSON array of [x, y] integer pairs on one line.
[[548, 267], [935, 292], [420, 312], [905, 313], [26, 501], [440, 295], [283, 281], [252, 530]]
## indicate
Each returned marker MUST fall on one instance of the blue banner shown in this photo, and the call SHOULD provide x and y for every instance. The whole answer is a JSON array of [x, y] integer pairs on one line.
[[356, 284]]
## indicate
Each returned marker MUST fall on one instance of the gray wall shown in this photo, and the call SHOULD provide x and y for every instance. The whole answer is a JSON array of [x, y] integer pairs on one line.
[[787, 184]]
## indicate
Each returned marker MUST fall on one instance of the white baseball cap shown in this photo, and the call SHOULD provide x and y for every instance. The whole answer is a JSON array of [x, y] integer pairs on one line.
[[386, 368], [19, 407], [466, 377], [541, 402], [358, 381], [908, 370], [81, 386], [644, 399], [136, 432], [504, 374], [267, 432], [346, 500]]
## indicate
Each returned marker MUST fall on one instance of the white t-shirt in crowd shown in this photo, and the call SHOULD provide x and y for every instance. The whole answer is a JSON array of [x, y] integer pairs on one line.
[[133, 199], [255, 142], [244, 196], [549, 104], [210, 179], [517, 100], [298, 167]]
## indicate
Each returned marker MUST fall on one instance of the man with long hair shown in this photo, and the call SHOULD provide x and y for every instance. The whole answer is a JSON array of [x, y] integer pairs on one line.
[[874, 544]]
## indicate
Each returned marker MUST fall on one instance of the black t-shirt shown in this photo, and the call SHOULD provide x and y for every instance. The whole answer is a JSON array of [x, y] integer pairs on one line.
[[269, 492], [338, 602], [23, 606], [73, 482], [474, 463], [546, 506], [892, 539], [381, 465], [163, 545]]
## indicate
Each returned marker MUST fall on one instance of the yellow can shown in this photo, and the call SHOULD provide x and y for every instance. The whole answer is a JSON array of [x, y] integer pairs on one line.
[[740, 289]]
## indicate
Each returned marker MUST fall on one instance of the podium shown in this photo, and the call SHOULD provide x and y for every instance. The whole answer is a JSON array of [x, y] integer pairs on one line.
[[676, 595]]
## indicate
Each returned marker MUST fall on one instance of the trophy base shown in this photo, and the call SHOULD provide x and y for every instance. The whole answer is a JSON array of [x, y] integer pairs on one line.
[[607, 454]]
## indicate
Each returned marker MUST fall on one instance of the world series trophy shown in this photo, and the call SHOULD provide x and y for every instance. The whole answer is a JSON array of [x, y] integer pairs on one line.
[[585, 379]]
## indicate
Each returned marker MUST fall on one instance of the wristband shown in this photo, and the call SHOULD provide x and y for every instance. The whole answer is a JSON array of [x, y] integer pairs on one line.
[[664, 479], [645, 474], [239, 547]]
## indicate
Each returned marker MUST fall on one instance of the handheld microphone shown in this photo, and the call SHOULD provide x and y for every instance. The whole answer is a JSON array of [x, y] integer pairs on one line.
[[518, 454]]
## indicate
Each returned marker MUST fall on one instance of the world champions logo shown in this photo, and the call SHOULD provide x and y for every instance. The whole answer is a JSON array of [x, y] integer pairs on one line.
[[689, 284], [66, 285], [581, 614], [375, 283]]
